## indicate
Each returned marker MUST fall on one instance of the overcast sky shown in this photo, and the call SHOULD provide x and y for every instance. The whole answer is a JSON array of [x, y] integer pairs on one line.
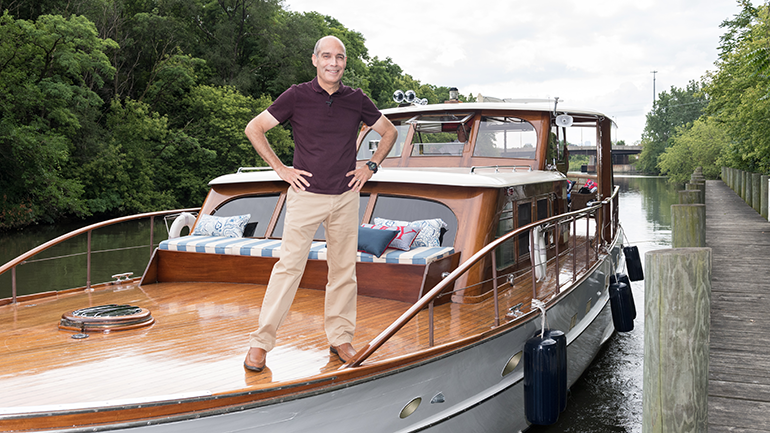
[[595, 54]]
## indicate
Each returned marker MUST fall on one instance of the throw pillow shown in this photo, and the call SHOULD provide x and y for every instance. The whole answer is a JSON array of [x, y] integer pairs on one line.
[[374, 241], [231, 227], [430, 230], [404, 238]]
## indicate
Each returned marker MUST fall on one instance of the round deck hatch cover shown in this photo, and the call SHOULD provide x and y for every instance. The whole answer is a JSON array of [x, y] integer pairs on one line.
[[106, 318]]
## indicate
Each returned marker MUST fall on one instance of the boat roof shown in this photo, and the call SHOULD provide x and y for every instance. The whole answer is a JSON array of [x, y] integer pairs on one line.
[[513, 105], [501, 176]]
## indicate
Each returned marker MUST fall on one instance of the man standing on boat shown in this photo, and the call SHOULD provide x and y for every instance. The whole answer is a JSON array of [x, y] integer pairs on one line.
[[324, 188]]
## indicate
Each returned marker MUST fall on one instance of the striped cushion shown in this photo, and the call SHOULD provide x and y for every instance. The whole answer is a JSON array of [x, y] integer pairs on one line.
[[272, 248]]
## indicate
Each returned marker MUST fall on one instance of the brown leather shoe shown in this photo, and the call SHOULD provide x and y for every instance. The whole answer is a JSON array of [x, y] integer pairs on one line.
[[255, 359], [344, 351]]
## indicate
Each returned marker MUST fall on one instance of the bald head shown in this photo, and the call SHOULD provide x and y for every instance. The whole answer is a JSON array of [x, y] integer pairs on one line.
[[327, 39]]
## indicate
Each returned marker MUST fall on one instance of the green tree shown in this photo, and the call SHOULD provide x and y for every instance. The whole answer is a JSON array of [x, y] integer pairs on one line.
[[670, 111], [217, 118], [49, 70], [697, 145], [740, 90]]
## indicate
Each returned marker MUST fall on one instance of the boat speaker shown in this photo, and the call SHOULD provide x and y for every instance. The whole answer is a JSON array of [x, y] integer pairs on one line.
[[564, 120], [410, 96]]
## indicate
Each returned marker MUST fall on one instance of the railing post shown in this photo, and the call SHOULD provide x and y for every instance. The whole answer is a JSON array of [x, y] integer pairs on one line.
[[574, 249], [152, 233], [88, 262], [494, 287], [532, 262], [558, 241], [588, 241], [430, 324], [13, 284]]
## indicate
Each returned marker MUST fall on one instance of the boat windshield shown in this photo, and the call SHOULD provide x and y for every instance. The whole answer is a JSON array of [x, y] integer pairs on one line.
[[440, 135], [372, 140], [506, 137]]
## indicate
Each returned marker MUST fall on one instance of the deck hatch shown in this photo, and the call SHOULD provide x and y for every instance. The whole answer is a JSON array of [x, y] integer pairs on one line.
[[106, 318]]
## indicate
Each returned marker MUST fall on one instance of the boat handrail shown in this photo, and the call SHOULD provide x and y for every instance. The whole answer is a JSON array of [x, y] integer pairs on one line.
[[498, 167], [245, 169], [432, 294], [11, 265]]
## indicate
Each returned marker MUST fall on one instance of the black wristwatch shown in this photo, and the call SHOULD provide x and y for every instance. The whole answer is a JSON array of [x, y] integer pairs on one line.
[[372, 166]]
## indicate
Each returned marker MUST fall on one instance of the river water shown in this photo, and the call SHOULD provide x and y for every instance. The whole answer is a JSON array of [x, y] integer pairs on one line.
[[608, 398]]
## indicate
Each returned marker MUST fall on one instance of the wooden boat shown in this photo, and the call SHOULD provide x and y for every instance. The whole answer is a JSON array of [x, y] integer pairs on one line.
[[441, 329]]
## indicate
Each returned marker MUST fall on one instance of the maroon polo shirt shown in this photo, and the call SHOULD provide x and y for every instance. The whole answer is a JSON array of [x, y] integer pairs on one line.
[[325, 129]]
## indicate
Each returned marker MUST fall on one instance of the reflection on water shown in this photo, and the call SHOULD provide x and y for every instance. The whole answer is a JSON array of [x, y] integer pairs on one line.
[[608, 398], [123, 247]]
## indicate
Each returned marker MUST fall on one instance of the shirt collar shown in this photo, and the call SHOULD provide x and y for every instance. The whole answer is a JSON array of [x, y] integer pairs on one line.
[[317, 87]]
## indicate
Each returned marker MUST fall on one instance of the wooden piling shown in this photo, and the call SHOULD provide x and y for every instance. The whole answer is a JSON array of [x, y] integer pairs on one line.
[[756, 191], [690, 196], [676, 340], [688, 225], [763, 199]]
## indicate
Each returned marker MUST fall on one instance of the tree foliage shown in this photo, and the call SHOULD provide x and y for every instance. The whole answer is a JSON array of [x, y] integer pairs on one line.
[[675, 109], [698, 145], [111, 107], [740, 89]]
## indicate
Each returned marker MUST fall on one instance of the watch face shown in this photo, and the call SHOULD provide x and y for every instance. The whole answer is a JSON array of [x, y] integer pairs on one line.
[[372, 166]]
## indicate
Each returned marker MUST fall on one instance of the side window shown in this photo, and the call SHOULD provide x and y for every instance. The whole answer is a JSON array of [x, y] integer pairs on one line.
[[414, 209], [506, 137], [372, 140], [320, 234], [505, 255], [525, 217], [259, 207]]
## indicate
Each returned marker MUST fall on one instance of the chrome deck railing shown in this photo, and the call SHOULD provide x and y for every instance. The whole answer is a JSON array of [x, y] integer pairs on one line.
[[88, 230], [604, 212]]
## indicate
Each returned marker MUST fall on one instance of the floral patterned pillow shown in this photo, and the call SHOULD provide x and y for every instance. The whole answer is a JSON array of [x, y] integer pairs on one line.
[[404, 238], [429, 230], [231, 227]]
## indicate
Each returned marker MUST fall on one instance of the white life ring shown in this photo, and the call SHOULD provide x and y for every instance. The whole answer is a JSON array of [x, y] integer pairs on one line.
[[538, 253], [185, 219]]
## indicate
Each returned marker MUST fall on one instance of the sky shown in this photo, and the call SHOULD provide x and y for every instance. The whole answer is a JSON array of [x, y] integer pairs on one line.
[[595, 54]]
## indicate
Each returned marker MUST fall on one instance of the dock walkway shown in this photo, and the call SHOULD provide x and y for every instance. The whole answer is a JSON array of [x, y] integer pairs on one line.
[[739, 360]]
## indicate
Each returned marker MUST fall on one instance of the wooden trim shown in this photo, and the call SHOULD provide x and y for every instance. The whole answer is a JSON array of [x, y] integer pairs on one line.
[[276, 214]]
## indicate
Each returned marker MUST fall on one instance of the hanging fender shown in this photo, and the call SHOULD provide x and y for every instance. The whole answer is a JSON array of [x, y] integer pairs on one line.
[[538, 252]]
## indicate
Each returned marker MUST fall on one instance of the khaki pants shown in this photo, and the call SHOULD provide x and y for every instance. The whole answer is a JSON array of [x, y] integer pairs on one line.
[[304, 212]]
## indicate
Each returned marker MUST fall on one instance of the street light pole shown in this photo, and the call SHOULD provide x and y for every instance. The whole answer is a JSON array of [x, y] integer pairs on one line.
[[653, 86]]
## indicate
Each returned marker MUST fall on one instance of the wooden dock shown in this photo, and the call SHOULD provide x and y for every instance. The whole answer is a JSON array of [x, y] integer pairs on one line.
[[739, 360]]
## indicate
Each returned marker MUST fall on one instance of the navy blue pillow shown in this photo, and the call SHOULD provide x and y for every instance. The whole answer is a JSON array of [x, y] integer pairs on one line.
[[374, 241]]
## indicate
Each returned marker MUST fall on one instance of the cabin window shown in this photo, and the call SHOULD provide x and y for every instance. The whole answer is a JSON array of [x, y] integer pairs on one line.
[[260, 207], [372, 140], [505, 254], [440, 135], [320, 234], [506, 137], [415, 209], [525, 217]]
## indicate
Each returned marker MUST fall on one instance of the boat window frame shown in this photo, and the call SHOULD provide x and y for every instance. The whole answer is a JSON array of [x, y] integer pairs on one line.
[[513, 218], [434, 120]]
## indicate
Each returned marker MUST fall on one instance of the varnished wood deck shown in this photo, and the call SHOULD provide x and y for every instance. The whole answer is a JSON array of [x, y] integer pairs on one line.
[[739, 360], [199, 340]]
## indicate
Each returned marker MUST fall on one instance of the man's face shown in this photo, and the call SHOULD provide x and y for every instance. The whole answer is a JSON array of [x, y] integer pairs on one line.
[[330, 62]]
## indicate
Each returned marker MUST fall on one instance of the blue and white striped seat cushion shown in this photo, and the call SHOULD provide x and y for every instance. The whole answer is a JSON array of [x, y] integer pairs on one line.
[[272, 248]]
